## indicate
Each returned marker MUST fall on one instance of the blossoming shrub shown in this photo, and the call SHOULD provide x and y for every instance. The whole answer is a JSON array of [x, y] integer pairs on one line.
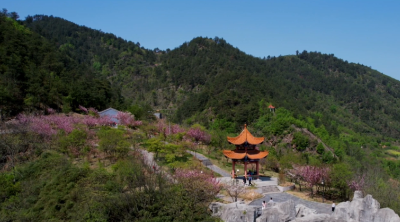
[[202, 187]]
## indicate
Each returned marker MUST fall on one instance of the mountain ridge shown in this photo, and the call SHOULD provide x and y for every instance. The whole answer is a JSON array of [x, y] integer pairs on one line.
[[210, 74]]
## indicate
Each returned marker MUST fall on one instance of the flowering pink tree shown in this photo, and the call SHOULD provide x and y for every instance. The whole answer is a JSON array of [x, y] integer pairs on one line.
[[49, 125], [357, 183], [50, 111], [199, 185], [127, 119], [168, 129], [161, 126], [312, 175], [175, 128], [83, 109], [93, 110], [45, 125], [199, 135]]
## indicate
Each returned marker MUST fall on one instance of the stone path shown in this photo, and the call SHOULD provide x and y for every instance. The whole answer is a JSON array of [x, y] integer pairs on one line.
[[206, 162], [149, 160], [282, 197]]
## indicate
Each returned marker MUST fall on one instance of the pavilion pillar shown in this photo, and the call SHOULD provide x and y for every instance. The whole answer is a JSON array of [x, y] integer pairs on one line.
[[245, 169], [257, 168], [233, 169]]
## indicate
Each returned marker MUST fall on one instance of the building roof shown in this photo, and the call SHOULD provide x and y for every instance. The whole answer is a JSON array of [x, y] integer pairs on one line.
[[108, 110], [112, 113], [245, 136], [271, 106], [241, 154]]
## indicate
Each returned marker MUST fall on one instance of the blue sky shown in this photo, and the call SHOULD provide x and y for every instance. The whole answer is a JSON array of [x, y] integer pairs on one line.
[[366, 32]]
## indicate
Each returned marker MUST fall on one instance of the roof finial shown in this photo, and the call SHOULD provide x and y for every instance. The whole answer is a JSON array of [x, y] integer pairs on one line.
[[245, 125]]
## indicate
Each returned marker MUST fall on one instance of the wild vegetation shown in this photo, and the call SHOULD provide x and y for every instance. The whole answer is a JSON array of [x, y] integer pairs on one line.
[[72, 169], [330, 114]]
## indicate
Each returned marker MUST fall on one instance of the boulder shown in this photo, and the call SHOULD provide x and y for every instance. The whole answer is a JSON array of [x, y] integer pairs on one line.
[[237, 211], [386, 215], [314, 218], [360, 209], [284, 211], [303, 211], [358, 194]]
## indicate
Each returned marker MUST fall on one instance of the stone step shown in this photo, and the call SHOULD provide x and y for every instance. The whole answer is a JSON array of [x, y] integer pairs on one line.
[[207, 162]]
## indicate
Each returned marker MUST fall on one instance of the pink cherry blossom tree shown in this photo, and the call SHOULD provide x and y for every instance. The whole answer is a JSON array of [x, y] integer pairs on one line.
[[175, 128], [199, 135], [49, 125], [312, 175], [201, 186], [127, 119], [198, 181], [83, 109], [357, 183], [50, 111]]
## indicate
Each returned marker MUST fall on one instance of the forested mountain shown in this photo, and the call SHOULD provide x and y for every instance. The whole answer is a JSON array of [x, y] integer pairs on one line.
[[232, 84], [212, 77], [328, 111], [36, 75], [206, 80], [125, 64]]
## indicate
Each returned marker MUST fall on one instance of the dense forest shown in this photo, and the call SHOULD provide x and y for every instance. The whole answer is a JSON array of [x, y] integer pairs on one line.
[[329, 111], [208, 79], [51, 62]]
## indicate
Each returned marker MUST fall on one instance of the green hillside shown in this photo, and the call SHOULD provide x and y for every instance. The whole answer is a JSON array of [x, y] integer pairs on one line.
[[329, 112], [35, 75], [208, 79]]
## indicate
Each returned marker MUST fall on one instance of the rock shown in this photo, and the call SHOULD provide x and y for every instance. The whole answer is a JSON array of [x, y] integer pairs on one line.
[[358, 194], [302, 211], [360, 209], [313, 218], [305, 214], [386, 215], [234, 211], [284, 211]]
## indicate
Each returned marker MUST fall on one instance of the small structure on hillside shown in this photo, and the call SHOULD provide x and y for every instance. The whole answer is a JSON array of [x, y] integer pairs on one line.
[[112, 113], [246, 151], [271, 108], [158, 114]]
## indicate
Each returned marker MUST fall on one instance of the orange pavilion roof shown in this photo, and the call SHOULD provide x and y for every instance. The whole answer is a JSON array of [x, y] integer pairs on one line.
[[238, 155], [245, 136], [271, 106]]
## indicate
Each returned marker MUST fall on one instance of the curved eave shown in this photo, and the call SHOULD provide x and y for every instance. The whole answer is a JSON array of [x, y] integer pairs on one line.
[[233, 155], [245, 136], [241, 155], [258, 156]]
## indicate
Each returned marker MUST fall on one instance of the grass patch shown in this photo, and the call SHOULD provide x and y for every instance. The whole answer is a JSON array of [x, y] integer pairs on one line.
[[393, 152]]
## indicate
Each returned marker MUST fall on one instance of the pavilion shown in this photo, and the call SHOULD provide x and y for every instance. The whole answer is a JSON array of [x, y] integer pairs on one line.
[[246, 151], [271, 108]]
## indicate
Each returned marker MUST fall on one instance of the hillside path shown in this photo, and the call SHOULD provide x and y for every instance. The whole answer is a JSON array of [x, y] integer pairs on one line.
[[149, 161], [207, 162]]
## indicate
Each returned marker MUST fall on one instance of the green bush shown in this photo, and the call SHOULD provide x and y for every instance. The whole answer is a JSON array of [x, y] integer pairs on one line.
[[112, 141], [301, 141], [320, 148], [327, 157], [75, 140]]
